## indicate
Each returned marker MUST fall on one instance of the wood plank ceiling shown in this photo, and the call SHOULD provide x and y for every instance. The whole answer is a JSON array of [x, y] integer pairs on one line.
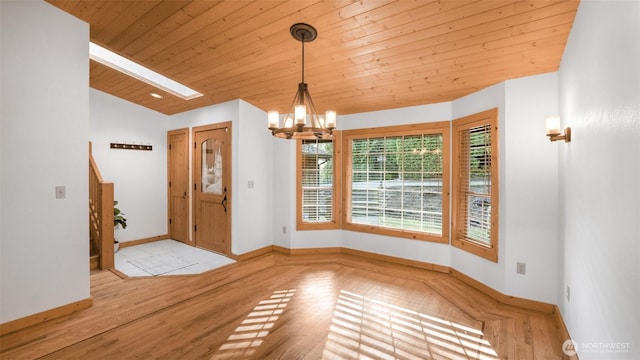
[[369, 55]]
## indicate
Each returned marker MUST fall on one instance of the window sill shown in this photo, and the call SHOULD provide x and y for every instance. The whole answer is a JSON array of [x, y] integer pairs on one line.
[[413, 235]]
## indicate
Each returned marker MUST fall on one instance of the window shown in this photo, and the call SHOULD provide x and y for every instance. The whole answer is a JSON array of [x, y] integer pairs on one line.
[[318, 164], [475, 184], [396, 181]]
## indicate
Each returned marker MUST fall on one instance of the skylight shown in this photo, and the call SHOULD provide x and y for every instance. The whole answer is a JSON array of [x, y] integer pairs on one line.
[[126, 66]]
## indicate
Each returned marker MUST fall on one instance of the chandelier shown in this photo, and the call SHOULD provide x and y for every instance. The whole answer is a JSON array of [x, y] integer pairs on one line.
[[302, 121]]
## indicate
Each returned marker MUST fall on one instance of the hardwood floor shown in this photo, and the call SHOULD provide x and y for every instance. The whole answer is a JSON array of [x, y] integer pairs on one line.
[[322, 306]]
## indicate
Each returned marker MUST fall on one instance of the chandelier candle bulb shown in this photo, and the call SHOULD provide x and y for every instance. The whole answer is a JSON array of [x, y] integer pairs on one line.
[[288, 122], [274, 119], [321, 122], [300, 114], [330, 119]]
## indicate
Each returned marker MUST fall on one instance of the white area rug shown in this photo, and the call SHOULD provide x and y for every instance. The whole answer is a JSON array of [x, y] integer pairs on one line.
[[162, 263], [167, 257]]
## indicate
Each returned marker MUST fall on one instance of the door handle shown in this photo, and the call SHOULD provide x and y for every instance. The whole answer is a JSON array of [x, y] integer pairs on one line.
[[185, 195], [224, 203]]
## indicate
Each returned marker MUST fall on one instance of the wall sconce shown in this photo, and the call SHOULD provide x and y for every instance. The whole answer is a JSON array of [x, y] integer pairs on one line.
[[552, 124]]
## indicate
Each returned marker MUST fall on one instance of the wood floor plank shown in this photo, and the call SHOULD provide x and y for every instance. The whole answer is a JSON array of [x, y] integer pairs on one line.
[[320, 306]]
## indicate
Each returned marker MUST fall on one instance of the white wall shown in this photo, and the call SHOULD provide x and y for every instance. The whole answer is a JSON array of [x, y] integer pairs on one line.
[[139, 177], [400, 116], [530, 188], [599, 186], [228, 111], [284, 191], [44, 241], [254, 161]]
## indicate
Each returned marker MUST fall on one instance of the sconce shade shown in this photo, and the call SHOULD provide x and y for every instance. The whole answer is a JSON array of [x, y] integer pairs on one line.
[[552, 124]]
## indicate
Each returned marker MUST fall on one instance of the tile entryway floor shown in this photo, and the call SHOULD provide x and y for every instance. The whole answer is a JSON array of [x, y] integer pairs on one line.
[[167, 257]]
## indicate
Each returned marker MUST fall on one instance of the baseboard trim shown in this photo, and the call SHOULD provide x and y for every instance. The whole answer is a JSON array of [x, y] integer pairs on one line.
[[281, 250], [307, 251], [94, 262], [41, 317], [253, 254], [120, 273], [505, 299], [124, 244], [563, 326]]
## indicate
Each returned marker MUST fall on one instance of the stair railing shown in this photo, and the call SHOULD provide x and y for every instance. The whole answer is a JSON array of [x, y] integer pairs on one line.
[[100, 215]]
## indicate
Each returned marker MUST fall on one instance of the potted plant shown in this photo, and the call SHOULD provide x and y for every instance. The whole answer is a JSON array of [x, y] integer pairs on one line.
[[118, 220]]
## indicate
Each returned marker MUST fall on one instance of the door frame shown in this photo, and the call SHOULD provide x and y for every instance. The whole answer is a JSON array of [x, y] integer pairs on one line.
[[195, 177], [182, 131]]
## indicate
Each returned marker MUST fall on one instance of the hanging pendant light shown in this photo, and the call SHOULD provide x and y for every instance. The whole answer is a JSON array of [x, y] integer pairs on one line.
[[302, 121]]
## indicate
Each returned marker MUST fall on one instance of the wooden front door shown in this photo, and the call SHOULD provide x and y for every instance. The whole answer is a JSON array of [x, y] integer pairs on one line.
[[178, 173], [212, 187]]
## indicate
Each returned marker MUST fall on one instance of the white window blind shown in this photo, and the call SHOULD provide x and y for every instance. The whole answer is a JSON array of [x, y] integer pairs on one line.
[[475, 184], [396, 182], [317, 181]]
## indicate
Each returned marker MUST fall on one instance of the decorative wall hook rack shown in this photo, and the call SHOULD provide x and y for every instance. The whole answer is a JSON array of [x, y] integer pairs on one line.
[[131, 146]]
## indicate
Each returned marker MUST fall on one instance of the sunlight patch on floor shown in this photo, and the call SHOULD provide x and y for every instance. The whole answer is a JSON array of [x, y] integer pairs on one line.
[[364, 328], [255, 327]]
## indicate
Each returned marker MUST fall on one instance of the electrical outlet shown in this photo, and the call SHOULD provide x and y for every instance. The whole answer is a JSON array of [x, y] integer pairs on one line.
[[284, 229], [521, 268], [568, 293]]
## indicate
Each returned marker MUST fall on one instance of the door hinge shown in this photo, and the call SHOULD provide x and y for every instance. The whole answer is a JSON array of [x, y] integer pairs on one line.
[[169, 146], [195, 227], [169, 183], [194, 145], [195, 187], [169, 221]]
